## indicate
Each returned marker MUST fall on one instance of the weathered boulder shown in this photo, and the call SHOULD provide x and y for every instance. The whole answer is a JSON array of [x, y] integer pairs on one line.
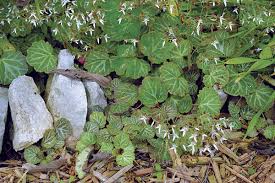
[[3, 113], [30, 115], [95, 96], [66, 97]]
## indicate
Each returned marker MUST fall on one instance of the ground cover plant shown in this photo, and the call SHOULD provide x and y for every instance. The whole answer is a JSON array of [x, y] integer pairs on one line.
[[185, 74]]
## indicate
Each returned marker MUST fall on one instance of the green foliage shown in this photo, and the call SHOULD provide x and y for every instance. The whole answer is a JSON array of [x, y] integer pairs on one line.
[[209, 101], [63, 128], [49, 140], [33, 154]]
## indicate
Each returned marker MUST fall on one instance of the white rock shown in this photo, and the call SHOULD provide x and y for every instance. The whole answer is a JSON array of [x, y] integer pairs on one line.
[[95, 96], [223, 96], [66, 97], [3, 113], [30, 115]]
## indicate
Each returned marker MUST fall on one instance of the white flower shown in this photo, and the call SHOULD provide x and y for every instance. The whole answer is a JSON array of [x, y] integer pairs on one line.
[[144, 119], [175, 136], [215, 146], [146, 20], [236, 11], [64, 2], [221, 18], [94, 23], [194, 137], [163, 43], [225, 2], [199, 26], [101, 21], [215, 44], [175, 42], [122, 10], [106, 37], [184, 147], [203, 136], [159, 128], [91, 31], [174, 148], [171, 8], [192, 145], [55, 31], [97, 40], [14, 31], [222, 139], [134, 41], [184, 130], [119, 20], [33, 15], [230, 25]]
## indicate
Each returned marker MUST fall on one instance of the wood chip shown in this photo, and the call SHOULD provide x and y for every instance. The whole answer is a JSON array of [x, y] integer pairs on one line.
[[54, 165], [99, 176], [119, 174], [237, 174], [183, 175], [216, 171], [228, 152], [143, 171]]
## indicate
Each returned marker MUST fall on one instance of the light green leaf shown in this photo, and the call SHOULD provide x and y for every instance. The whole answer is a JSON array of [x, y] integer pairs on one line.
[[12, 65], [183, 104], [126, 93], [106, 147], [130, 67], [104, 136], [257, 99], [98, 118], [126, 158], [98, 63], [81, 161], [33, 154], [266, 53], [269, 132], [209, 101], [218, 75], [49, 139], [41, 56], [126, 50], [183, 49], [91, 127], [119, 108], [240, 60], [152, 92], [147, 132], [176, 84], [63, 128], [122, 140], [155, 47], [243, 87], [86, 139]]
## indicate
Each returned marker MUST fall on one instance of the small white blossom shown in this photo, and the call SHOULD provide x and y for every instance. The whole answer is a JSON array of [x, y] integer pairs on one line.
[[119, 20], [146, 20], [55, 31], [93, 23], [192, 145], [199, 26], [174, 148], [215, 44], [194, 137], [221, 18], [222, 139], [163, 43], [106, 37], [171, 8], [134, 41], [184, 130], [144, 119], [97, 40], [184, 147], [215, 146], [159, 128], [64, 2], [175, 136], [225, 2], [203, 136], [236, 11], [175, 42], [101, 21]]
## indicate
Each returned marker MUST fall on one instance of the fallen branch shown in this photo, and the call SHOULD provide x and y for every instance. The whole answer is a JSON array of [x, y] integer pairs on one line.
[[237, 174], [54, 165], [119, 174]]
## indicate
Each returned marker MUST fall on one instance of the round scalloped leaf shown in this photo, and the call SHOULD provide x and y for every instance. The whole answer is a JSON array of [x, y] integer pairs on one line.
[[119, 108], [266, 53], [98, 118], [41, 56], [33, 154], [126, 50], [86, 139], [269, 132], [243, 87], [182, 50], [218, 75], [115, 125], [49, 139], [147, 132], [12, 65], [152, 91], [183, 104], [122, 140], [176, 84], [106, 147], [127, 93], [98, 62], [209, 101], [154, 45], [91, 127], [130, 67], [59, 144], [104, 136], [63, 128], [257, 100], [126, 158]]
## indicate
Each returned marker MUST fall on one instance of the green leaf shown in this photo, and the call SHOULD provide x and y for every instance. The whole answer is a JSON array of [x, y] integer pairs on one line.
[[41, 56], [49, 139], [33, 154], [122, 140], [98, 63], [209, 101], [183, 104], [152, 92], [126, 50], [106, 147], [119, 108], [130, 67], [91, 127], [127, 93], [98, 118], [261, 64], [63, 128], [266, 53], [257, 99], [243, 87], [151, 45], [240, 60], [104, 136], [218, 75], [183, 49], [12, 65], [126, 158], [269, 132], [81, 161], [86, 139], [176, 84], [148, 132]]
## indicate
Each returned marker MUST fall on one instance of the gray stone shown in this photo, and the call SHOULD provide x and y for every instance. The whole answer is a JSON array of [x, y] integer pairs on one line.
[[3, 113], [30, 115], [66, 97], [95, 96], [223, 96]]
